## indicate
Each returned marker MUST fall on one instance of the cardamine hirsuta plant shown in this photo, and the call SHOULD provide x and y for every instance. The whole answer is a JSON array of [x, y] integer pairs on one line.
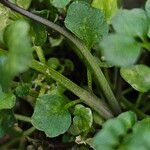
[[74, 74]]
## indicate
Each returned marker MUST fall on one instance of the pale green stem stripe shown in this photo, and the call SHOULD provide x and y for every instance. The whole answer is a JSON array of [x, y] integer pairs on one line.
[[40, 54], [94, 102]]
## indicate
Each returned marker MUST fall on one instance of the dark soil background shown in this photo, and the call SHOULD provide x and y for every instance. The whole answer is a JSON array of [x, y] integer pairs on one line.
[[133, 3]]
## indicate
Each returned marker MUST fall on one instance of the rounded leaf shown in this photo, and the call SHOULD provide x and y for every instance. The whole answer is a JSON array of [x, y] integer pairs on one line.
[[120, 50], [109, 7], [137, 76], [59, 3], [109, 136], [7, 100], [86, 22], [147, 7], [24, 3], [140, 138], [49, 115], [22, 90], [53, 63], [39, 31], [20, 52], [131, 22], [82, 120]]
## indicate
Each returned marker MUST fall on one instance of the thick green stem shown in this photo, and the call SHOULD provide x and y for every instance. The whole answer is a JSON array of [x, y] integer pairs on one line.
[[90, 61], [94, 102], [88, 98], [40, 54]]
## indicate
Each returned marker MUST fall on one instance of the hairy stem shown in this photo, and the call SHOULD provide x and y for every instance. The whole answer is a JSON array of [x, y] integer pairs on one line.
[[90, 61], [40, 54], [88, 98]]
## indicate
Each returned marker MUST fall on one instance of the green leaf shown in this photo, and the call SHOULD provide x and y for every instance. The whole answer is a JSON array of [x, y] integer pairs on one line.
[[148, 34], [4, 15], [59, 3], [7, 120], [131, 22], [140, 138], [56, 41], [7, 100], [109, 7], [22, 90], [53, 63], [69, 65], [120, 50], [109, 137], [147, 7], [20, 52], [137, 76], [124, 133], [86, 22], [39, 30], [49, 115], [24, 3], [82, 121], [3, 58]]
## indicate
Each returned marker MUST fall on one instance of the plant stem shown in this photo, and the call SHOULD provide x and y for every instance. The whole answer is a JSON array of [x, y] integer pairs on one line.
[[23, 118], [129, 105], [126, 91], [90, 61], [139, 99], [29, 131], [73, 103], [146, 108], [88, 98], [89, 78], [116, 71], [40, 54], [146, 45], [98, 119]]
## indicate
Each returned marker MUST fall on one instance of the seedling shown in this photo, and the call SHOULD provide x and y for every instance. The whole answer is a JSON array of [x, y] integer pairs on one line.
[[68, 70]]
